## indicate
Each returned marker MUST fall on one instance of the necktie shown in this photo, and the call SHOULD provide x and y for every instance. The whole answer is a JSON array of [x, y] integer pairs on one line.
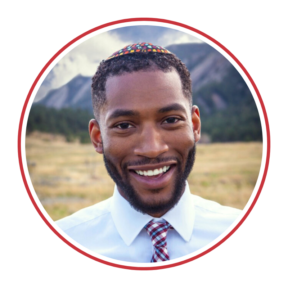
[[158, 233]]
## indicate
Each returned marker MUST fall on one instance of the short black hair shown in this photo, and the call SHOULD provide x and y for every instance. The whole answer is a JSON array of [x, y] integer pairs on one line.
[[135, 62]]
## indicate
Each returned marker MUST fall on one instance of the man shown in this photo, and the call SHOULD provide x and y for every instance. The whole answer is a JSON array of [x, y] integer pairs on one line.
[[146, 128]]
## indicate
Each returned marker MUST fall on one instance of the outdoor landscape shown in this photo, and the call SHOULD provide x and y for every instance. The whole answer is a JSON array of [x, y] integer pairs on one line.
[[68, 176], [67, 173]]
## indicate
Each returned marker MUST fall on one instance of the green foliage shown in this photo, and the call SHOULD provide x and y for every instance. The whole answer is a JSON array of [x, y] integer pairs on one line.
[[233, 125], [72, 123], [238, 120]]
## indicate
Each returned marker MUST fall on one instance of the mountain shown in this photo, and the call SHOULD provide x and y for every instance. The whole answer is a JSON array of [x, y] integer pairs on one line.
[[205, 64], [227, 107], [75, 94]]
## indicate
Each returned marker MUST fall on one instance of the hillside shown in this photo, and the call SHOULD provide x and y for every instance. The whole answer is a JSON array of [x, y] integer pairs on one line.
[[227, 107]]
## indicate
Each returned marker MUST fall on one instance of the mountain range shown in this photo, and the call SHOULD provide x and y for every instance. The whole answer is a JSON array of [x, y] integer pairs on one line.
[[205, 64], [218, 90]]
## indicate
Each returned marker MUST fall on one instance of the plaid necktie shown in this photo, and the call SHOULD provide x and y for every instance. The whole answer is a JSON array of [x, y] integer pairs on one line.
[[158, 232]]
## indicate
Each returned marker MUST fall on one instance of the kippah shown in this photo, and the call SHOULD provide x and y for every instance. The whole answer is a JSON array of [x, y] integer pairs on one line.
[[142, 47]]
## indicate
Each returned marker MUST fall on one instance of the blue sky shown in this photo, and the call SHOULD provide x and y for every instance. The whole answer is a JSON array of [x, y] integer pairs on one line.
[[85, 58]]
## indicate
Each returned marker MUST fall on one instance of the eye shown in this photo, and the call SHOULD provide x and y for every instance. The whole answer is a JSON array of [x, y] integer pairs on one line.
[[171, 120], [124, 126]]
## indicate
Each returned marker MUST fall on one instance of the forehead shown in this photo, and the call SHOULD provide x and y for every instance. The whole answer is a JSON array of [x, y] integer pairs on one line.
[[144, 91]]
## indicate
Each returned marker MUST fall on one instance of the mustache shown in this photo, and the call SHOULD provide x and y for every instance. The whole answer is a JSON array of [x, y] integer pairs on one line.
[[146, 161]]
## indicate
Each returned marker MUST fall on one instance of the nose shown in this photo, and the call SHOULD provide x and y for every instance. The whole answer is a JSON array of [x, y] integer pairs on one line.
[[150, 143]]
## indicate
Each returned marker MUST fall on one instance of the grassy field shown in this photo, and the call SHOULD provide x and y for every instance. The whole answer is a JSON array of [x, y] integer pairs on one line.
[[70, 176]]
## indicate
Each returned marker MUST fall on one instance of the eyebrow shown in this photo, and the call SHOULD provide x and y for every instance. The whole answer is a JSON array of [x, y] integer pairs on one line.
[[121, 112], [172, 107]]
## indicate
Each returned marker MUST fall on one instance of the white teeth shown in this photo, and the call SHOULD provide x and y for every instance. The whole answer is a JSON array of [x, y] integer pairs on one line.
[[153, 172]]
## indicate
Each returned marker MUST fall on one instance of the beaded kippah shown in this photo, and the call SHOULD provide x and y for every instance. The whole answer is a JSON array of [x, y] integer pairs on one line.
[[142, 47]]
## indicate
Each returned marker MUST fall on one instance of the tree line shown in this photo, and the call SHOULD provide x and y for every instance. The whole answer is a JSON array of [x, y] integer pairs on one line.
[[240, 123], [72, 123]]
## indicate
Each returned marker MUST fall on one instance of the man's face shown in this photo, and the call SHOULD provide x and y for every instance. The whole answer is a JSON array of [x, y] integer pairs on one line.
[[147, 132]]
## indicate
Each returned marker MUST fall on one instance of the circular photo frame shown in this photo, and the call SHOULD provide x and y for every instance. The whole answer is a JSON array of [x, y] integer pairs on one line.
[[35, 88]]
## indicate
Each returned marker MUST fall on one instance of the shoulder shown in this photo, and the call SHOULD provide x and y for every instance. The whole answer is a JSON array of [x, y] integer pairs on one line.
[[86, 215], [211, 220], [212, 213]]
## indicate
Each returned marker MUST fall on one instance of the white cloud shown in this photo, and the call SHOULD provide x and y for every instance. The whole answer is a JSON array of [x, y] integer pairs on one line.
[[177, 37], [85, 58]]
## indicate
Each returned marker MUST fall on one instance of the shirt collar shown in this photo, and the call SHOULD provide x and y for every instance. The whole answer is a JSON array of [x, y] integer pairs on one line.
[[130, 222]]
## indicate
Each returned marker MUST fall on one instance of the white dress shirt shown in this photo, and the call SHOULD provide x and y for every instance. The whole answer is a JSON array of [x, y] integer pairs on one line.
[[114, 229]]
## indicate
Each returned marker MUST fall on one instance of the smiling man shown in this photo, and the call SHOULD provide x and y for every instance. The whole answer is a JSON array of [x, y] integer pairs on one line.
[[146, 128]]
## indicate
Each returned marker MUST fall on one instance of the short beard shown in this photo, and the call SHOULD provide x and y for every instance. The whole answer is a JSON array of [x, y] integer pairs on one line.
[[133, 198]]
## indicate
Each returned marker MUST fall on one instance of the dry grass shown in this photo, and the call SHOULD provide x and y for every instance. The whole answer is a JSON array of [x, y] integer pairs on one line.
[[70, 176]]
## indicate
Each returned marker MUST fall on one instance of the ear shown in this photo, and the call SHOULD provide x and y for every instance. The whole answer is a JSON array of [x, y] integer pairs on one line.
[[95, 135], [196, 123]]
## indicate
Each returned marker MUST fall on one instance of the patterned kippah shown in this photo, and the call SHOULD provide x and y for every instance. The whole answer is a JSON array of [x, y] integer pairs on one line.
[[139, 48]]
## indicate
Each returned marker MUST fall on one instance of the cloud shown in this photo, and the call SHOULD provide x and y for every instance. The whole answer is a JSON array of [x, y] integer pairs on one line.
[[84, 60], [177, 37], [155, 34]]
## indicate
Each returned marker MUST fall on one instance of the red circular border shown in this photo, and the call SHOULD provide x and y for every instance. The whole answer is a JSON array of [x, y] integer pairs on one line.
[[161, 21]]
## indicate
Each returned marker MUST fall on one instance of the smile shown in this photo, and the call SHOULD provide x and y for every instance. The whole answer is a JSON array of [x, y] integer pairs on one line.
[[153, 176], [154, 172]]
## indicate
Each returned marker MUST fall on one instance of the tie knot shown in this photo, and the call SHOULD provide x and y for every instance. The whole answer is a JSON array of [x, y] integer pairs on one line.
[[158, 232]]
